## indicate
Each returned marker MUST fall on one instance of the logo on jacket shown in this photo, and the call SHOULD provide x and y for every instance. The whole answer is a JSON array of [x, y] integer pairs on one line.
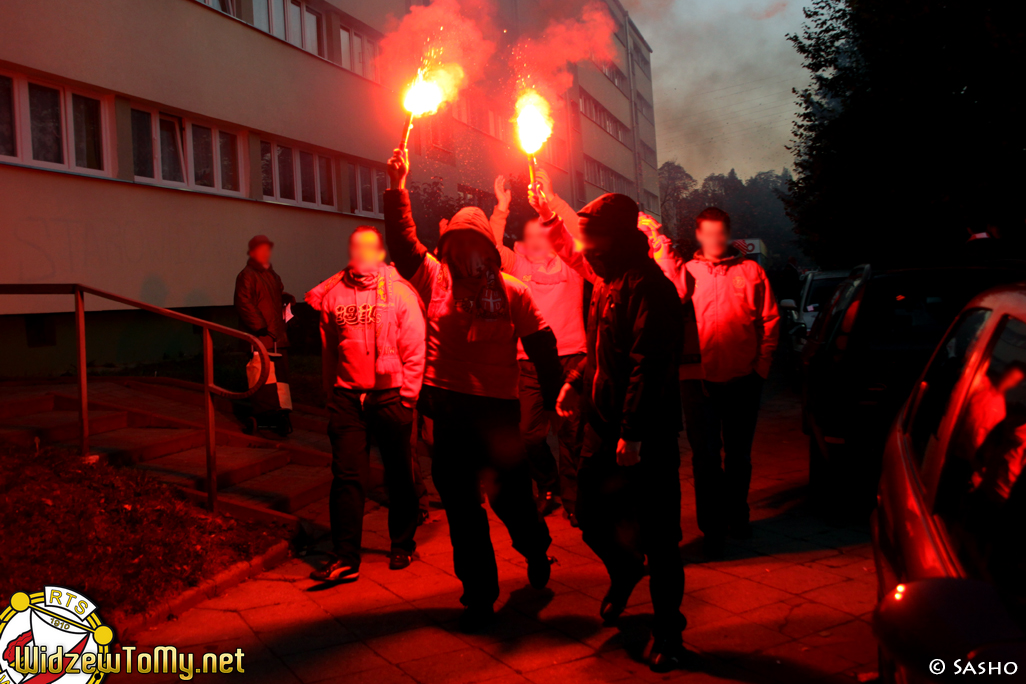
[[356, 315], [52, 635], [739, 282]]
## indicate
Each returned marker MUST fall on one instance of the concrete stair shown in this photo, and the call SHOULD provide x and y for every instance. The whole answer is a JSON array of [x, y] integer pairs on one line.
[[56, 426], [287, 489], [235, 465]]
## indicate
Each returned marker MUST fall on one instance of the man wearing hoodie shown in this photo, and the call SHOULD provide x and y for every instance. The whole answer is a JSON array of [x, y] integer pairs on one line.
[[558, 292], [475, 316], [738, 326], [626, 391], [372, 335]]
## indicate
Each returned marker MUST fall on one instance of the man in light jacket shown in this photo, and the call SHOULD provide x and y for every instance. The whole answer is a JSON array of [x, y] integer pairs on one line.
[[372, 335], [738, 326]]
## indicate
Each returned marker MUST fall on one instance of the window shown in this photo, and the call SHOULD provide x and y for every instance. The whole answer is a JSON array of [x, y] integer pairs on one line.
[[359, 53], [604, 177], [978, 494], [298, 176], [642, 61], [932, 397], [648, 154], [291, 20], [176, 151], [614, 74], [367, 190], [52, 126], [602, 116], [650, 202], [644, 107], [226, 6]]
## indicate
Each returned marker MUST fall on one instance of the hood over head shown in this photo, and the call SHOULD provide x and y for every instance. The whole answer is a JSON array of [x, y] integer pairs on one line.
[[467, 218], [614, 216]]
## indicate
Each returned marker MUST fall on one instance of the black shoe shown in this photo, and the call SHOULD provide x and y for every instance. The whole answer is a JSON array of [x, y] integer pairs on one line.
[[546, 503], [539, 570], [399, 559], [476, 618], [668, 657], [740, 530], [713, 546], [337, 571], [572, 517], [615, 601]]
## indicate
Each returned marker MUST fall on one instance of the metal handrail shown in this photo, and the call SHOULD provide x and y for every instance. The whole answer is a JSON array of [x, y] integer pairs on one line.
[[209, 388]]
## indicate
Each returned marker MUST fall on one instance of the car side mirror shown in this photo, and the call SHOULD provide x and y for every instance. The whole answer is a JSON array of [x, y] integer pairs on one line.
[[947, 619], [788, 304]]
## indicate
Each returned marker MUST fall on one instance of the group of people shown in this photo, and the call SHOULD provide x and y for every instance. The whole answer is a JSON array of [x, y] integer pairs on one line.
[[495, 346]]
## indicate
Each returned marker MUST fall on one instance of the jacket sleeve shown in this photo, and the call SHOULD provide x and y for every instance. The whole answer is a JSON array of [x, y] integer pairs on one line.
[[767, 324], [498, 225], [656, 337], [541, 350], [671, 264], [412, 346], [329, 351], [405, 248], [565, 245], [245, 304], [575, 376], [563, 209]]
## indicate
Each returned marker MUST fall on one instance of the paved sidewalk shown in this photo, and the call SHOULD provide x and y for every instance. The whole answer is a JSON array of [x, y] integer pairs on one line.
[[790, 605]]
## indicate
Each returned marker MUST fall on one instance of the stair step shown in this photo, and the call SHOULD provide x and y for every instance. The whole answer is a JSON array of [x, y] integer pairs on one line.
[[13, 406], [132, 445], [287, 489], [63, 426], [235, 465]]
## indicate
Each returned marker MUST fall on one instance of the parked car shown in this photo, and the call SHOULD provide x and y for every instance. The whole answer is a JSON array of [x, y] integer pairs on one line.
[[800, 314], [949, 533], [862, 359]]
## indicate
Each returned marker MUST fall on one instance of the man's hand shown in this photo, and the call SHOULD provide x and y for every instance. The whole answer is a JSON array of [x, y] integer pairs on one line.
[[539, 202], [648, 225], [502, 195], [398, 168], [541, 176], [628, 453], [568, 402]]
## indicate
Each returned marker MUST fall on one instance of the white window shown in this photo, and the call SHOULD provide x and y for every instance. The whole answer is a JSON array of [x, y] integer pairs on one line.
[[298, 176], [226, 6], [367, 190], [53, 126], [173, 151], [359, 53], [291, 20]]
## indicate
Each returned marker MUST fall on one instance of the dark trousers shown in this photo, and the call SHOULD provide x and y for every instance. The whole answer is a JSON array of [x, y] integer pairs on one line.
[[628, 513], [478, 439], [351, 420], [721, 416], [535, 423]]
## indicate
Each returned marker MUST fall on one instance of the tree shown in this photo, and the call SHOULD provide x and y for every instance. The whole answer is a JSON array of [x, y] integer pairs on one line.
[[910, 132], [674, 184]]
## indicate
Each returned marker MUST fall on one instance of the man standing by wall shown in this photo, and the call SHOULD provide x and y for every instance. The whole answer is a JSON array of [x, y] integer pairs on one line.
[[629, 481], [372, 335], [738, 326], [558, 292]]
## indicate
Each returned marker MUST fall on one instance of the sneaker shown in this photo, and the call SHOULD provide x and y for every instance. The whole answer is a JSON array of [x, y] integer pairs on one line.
[[399, 559], [546, 503], [615, 600], [572, 517], [669, 656], [336, 571], [539, 570], [476, 618]]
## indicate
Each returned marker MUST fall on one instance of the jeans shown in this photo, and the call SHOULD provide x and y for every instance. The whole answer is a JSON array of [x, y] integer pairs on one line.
[[628, 513], [723, 418], [535, 422], [477, 439], [353, 415]]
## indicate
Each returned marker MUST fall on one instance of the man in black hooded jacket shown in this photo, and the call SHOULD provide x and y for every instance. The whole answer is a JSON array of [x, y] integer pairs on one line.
[[627, 394]]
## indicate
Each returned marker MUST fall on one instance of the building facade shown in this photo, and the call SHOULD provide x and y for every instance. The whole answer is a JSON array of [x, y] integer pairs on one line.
[[143, 143]]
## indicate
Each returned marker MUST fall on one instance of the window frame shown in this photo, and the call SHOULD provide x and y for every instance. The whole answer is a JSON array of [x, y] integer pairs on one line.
[[22, 121], [365, 42], [378, 212], [287, 33], [297, 176]]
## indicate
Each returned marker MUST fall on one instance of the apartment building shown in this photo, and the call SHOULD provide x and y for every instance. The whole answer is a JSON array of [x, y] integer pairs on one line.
[[142, 143]]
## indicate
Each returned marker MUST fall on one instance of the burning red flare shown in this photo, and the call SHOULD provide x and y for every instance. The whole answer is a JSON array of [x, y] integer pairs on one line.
[[534, 121]]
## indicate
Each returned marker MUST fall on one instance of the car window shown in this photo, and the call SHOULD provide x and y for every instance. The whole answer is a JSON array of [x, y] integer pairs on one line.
[[931, 402], [819, 293], [981, 498]]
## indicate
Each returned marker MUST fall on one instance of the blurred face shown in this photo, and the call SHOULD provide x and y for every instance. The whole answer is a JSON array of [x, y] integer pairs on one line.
[[536, 241], [1010, 380], [366, 253], [467, 254], [596, 247], [261, 254], [714, 238]]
